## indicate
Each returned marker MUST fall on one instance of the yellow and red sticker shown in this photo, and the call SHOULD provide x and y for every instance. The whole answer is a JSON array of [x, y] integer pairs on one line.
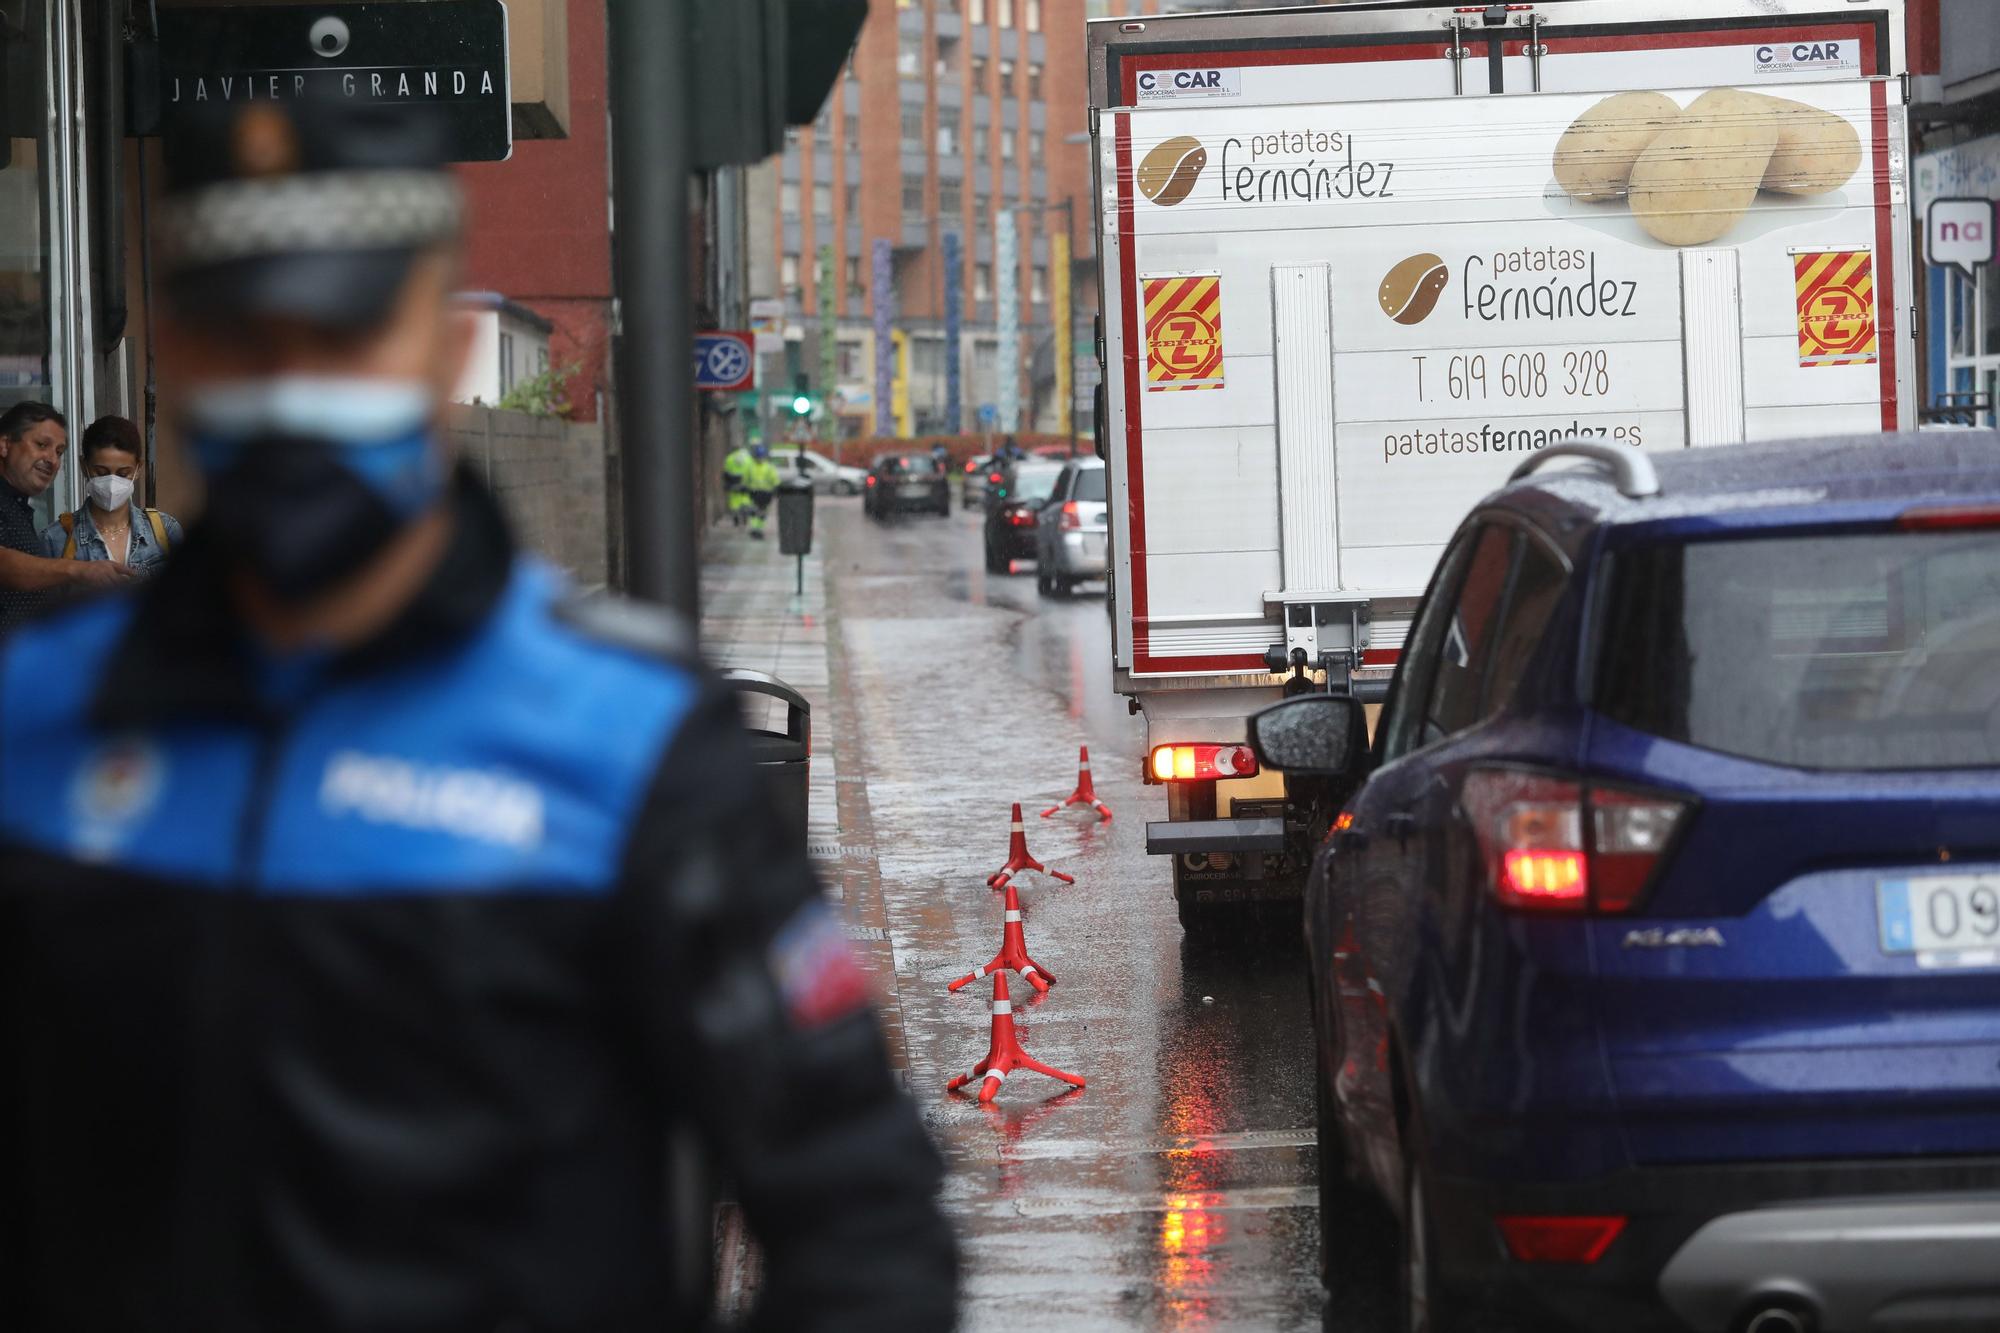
[[1183, 332], [1836, 307]]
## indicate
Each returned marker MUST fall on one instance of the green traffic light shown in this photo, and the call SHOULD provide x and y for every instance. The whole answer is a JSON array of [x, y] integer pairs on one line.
[[801, 405]]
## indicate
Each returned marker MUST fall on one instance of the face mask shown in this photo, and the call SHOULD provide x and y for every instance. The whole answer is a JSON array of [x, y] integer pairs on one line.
[[109, 493], [310, 477]]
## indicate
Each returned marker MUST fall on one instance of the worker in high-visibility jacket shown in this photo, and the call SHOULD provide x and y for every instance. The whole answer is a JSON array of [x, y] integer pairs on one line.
[[736, 483], [762, 482]]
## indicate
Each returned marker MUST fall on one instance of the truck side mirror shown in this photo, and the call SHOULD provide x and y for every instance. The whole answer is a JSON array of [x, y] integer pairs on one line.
[[1313, 735]]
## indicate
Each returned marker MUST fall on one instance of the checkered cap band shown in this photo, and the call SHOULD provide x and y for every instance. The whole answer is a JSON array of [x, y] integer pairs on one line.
[[325, 211]]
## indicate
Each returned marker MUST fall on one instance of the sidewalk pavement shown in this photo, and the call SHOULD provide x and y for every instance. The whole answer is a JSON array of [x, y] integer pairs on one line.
[[751, 617]]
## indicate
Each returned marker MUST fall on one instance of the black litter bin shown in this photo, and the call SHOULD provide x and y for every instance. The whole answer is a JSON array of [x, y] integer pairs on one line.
[[795, 517], [785, 756]]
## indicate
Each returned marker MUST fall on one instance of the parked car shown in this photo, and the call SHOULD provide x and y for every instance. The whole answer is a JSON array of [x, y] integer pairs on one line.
[[978, 472], [827, 476], [1655, 963], [900, 483], [1071, 529], [1012, 508]]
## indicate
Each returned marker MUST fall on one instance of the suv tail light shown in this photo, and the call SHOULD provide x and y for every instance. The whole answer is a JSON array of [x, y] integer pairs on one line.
[[1072, 515], [1553, 844], [1203, 763]]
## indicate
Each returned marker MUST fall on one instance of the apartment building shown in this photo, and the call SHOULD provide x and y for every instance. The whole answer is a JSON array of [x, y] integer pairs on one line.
[[952, 115]]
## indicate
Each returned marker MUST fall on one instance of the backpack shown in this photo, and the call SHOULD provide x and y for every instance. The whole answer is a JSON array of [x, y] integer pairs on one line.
[[154, 520]]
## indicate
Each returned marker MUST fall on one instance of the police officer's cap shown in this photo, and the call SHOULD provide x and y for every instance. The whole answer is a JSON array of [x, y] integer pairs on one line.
[[311, 209]]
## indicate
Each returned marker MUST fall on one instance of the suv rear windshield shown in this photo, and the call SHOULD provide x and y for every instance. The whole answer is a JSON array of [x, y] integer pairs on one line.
[[1089, 484], [1862, 651]]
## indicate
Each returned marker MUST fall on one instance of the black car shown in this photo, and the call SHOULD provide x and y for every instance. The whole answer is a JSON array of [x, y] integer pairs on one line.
[[904, 483], [1013, 505]]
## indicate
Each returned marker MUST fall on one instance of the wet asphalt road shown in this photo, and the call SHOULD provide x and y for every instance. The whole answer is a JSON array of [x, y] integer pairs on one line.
[[1176, 1191]]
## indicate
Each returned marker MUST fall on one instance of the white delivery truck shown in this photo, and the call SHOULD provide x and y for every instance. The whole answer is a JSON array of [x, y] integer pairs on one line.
[[1359, 260]]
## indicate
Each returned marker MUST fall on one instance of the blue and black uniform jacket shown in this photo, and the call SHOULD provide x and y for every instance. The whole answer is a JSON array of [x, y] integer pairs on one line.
[[369, 994]]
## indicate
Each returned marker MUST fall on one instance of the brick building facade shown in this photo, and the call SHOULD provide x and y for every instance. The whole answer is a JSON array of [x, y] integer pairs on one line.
[[950, 112], [541, 223]]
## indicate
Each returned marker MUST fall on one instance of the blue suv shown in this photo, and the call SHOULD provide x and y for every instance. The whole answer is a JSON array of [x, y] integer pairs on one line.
[[1655, 957]]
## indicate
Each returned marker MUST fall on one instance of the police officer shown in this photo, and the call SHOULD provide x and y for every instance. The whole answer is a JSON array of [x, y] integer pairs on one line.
[[761, 483], [372, 910], [736, 482]]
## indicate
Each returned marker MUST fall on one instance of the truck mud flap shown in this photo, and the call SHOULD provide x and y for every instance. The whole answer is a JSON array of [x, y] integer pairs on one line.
[[1173, 838]]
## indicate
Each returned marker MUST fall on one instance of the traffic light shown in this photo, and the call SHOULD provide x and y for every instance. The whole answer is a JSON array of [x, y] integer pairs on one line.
[[802, 403]]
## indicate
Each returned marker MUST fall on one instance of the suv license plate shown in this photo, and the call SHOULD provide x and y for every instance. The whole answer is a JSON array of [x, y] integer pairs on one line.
[[1945, 920]]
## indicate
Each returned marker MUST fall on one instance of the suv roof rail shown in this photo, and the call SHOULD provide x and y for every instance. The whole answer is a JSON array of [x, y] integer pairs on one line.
[[1631, 471]]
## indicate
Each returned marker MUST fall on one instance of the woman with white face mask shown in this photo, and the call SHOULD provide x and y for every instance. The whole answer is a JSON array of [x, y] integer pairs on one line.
[[109, 526]]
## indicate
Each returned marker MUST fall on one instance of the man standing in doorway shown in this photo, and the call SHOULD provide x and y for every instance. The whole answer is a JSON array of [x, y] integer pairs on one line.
[[33, 439]]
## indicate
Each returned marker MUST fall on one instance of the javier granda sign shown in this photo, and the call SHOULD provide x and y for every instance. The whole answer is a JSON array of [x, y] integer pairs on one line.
[[448, 55]]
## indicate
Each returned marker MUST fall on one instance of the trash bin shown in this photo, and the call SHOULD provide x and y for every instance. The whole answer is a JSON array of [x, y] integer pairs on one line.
[[784, 756], [795, 517]]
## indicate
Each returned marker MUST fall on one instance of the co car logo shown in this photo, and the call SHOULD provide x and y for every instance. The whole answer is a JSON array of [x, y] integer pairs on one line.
[[1185, 81], [1168, 174], [1804, 53]]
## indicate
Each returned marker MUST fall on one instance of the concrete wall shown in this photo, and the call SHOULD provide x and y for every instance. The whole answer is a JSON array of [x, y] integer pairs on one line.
[[549, 475]]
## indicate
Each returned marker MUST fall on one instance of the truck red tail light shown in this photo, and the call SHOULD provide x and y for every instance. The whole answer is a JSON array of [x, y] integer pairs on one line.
[[1552, 845], [1203, 763], [1558, 1240], [1948, 518]]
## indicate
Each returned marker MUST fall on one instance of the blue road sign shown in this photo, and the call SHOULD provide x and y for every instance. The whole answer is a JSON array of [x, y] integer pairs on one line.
[[723, 361]]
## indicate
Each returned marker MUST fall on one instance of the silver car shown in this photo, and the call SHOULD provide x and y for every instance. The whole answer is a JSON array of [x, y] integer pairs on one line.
[[1072, 530]]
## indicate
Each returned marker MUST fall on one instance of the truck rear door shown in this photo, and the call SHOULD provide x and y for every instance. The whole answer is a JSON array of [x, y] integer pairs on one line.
[[1346, 298]]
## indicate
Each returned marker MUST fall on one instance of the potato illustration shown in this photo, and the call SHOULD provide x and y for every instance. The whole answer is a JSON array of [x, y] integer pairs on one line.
[[1817, 150], [1410, 292], [1168, 173], [1595, 155], [1699, 176]]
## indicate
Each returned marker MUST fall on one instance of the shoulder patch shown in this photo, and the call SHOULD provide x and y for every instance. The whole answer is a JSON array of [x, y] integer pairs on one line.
[[621, 623]]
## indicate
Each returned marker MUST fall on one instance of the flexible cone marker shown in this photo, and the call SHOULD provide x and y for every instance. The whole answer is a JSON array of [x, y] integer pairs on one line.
[[1085, 793], [1004, 1054], [1013, 955], [1018, 858]]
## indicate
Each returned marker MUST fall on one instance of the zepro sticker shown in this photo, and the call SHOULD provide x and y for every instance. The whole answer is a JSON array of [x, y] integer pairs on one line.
[[1836, 298], [1183, 332]]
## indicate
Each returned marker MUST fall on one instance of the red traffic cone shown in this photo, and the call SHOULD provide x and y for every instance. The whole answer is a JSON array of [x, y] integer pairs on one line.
[[1005, 1055], [1013, 955], [1085, 793], [1018, 858]]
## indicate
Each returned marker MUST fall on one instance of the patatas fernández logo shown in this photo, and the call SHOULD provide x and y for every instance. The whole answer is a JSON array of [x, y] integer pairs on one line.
[[1410, 292], [1168, 174]]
